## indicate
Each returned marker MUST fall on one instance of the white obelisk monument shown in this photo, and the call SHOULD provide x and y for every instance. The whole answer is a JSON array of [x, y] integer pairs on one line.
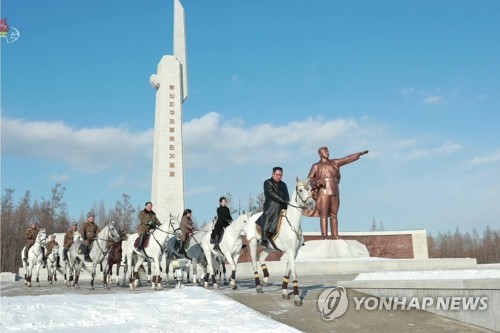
[[171, 91]]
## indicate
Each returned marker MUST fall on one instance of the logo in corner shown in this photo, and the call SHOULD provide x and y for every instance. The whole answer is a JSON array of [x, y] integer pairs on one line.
[[332, 303], [11, 34]]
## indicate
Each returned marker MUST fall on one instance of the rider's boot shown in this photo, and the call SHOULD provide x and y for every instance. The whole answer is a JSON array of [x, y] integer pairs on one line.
[[86, 254], [264, 241], [25, 255], [216, 242], [141, 240], [57, 262], [65, 254]]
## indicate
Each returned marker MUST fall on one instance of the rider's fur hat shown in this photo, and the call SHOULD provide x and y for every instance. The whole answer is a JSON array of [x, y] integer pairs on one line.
[[90, 214]]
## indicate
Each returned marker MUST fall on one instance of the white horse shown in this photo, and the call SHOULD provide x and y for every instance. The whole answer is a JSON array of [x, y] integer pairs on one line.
[[230, 248], [98, 253], [35, 258], [194, 253], [152, 251], [289, 239], [52, 264], [76, 237]]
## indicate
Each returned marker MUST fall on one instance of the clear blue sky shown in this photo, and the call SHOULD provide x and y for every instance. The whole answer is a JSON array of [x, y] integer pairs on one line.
[[415, 82]]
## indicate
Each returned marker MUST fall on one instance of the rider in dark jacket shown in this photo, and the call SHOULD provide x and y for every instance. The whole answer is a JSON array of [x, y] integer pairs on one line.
[[223, 220], [277, 197]]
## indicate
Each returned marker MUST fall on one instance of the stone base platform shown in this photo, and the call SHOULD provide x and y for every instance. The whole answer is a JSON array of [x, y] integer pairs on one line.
[[330, 249], [455, 290]]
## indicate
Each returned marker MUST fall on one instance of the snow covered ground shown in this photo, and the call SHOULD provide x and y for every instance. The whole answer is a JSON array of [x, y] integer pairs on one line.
[[192, 309]]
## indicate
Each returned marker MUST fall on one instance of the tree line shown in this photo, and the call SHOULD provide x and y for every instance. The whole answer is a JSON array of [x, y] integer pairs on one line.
[[485, 247], [51, 214]]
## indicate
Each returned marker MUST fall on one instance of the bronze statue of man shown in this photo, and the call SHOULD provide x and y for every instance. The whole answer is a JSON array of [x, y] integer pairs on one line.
[[325, 179]]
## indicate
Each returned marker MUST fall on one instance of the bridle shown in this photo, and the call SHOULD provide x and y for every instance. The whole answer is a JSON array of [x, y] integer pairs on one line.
[[297, 196], [107, 249], [307, 188]]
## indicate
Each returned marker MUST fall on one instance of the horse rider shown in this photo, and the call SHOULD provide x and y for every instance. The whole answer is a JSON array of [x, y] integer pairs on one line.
[[49, 246], [30, 235], [187, 228], [276, 199], [223, 220], [68, 240], [147, 222], [89, 233]]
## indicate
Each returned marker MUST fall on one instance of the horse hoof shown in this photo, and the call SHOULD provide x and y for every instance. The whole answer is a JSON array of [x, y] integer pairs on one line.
[[234, 287], [216, 286], [259, 289], [297, 301], [285, 296]]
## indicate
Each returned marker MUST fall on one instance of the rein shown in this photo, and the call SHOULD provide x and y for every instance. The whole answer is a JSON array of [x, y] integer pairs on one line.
[[41, 245], [299, 208], [162, 248], [106, 251]]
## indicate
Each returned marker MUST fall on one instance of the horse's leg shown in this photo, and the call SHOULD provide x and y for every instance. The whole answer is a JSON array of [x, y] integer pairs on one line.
[[105, 273], [210, 272], [168, 258], [284, 284], [149, 272], [194, 264], [92, 277], [291, 263], [224, 272], [130, 271], [38, 274], [233, 262], [138, 264], [262, 260], [252, 243], [117, 273], [156, 274]]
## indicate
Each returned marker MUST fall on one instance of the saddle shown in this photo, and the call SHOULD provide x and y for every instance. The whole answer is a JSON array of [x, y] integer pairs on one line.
[[145, 243], [258, 228], [81, 248]]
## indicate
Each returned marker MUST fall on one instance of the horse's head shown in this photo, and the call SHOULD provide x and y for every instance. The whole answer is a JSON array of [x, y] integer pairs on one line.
[[42, 237], [76, 235], [241, 221], [303, 194], [113, 232], [173, 222]]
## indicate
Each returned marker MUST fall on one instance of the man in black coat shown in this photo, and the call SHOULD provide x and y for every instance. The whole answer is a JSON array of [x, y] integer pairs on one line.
[[276, 194]]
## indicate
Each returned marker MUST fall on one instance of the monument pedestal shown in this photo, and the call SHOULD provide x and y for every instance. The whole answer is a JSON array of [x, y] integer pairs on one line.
[[330, 249]]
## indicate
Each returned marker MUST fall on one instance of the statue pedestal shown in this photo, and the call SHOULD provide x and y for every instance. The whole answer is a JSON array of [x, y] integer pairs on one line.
[[331, 249]]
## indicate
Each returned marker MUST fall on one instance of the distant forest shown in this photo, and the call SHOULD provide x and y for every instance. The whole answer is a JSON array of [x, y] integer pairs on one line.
[[51, 214]]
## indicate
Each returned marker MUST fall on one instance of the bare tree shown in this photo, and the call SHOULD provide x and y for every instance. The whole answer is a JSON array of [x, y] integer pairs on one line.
[[260, 201], [124, 213], [7, 230]]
